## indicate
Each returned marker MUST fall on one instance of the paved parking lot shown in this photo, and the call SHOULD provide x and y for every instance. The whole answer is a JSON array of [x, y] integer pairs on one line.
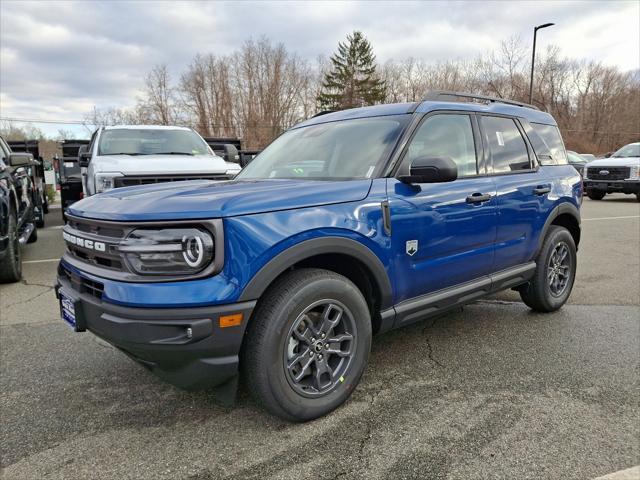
[[492, 391]]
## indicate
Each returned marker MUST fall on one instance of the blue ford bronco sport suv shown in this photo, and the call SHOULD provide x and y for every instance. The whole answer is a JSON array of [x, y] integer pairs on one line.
[[349, 224]]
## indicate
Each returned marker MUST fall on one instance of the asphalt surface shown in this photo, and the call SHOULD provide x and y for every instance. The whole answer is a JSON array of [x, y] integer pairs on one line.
[[490, 391]]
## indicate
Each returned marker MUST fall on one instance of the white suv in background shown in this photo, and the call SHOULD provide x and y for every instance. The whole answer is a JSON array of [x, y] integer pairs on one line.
[[127, 155], [618, 173]]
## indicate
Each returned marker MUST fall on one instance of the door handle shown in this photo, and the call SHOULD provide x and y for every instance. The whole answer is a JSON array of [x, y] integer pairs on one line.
[[478, 197], [541, 190]]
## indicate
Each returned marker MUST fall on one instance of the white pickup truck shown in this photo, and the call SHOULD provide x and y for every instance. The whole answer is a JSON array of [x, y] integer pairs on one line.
[[618, 173], [127, 155]]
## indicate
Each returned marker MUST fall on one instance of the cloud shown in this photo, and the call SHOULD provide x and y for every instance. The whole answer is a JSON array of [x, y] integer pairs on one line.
[[59, 59]]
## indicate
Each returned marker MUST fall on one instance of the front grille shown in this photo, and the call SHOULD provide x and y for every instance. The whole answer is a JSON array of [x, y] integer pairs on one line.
[[82, 285], [145, 180], [612, 173], [93, 246], [106, 233], [97, 259]]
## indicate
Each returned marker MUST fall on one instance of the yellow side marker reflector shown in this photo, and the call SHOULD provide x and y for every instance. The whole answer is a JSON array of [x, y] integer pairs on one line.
[[341, 379], [230, 320]]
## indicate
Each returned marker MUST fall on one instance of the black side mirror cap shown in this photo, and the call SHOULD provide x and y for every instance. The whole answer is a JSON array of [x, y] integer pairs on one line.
[[83, 159], [231, 153], [20, 159], [431, 170]]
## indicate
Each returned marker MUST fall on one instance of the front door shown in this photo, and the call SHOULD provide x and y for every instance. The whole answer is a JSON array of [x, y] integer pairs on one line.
[[442, 233]]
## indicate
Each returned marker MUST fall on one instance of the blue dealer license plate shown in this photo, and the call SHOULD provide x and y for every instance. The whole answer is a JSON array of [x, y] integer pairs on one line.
[[67, 309]]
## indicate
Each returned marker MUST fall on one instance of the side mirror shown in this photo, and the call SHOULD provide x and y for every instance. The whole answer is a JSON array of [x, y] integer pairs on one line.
[[20, 159], [84, 157], [431, 170], [231, 153]]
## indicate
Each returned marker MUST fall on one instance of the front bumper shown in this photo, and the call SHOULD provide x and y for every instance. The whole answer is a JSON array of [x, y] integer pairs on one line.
[[184, 346], [613, 186]]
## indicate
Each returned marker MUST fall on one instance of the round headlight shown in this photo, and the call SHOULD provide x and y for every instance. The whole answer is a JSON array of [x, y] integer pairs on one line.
[[167, 251], [193, 250]]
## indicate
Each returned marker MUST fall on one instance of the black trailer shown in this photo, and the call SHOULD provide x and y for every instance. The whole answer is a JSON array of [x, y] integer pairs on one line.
[[231, 150], [70, 173], [36, 172]]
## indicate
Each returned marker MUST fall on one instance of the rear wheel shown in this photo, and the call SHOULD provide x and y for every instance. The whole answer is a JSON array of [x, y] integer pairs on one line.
[[11, 264], [596, 194], [638, 197], [555, 272], [307, 345]]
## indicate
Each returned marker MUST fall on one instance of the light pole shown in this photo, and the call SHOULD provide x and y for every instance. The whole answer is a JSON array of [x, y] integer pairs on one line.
[[533, 55]]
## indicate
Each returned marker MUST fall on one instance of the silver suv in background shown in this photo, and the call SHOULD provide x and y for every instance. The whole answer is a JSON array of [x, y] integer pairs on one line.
[[127, 155], [619, 173]]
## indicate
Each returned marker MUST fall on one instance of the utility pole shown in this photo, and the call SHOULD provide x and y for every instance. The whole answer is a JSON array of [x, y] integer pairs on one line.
[[533, 56]]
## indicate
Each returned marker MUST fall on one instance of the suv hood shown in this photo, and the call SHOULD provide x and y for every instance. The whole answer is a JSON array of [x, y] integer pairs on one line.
[[199, 199], [615, 162], [162, 164]]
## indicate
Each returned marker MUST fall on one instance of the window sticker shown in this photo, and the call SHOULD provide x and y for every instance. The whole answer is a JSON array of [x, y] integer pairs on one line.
[[500, 139], [370, 171]]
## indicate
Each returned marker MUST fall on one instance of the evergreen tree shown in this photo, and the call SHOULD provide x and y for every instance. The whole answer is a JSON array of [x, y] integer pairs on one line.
[[352, 81]]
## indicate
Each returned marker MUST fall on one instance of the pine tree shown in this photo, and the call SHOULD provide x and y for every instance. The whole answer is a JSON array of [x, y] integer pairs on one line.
[[352, 81]]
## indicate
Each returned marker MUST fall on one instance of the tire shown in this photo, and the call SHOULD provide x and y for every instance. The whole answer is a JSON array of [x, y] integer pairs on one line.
[[596, 194], [45, 204], [638, 197], [541, 293], [33, 238], [11, 264], [275, 352], [40, 222]]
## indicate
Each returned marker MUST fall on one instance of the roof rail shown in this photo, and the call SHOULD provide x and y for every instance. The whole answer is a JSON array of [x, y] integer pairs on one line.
[[435, 95], [323, 112]]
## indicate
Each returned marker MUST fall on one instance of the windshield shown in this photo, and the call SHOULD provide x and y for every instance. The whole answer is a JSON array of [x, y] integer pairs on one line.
[[575, 158], [348, 149], [126, 141], [631, 150]]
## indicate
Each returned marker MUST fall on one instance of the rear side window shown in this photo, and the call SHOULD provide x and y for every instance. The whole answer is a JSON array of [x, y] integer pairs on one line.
[[551, 136], [507, 148]]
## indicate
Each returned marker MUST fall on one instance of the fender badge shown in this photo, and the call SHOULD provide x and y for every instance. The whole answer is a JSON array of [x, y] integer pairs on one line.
[[412, 247]]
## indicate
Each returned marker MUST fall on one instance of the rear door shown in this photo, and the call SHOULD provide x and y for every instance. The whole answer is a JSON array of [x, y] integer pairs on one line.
[[522, 188], [443, 233]]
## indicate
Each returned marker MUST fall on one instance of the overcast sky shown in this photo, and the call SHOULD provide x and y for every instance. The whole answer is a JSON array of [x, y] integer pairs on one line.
[[60, 59]]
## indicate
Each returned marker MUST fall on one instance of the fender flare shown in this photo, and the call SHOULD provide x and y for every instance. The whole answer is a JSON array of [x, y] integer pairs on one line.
[[561, 209], [318, 246]]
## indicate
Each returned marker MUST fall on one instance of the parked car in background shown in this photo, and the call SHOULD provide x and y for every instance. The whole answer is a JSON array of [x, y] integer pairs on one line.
[[577, 161], [231, 150], [588, 156], [127, 155], [620, 173], [349, 224], [17, 222], [69, 172], [36, 172]]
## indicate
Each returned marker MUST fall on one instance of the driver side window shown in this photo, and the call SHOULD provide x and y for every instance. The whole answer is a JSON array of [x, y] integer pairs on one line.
[[445, 135]]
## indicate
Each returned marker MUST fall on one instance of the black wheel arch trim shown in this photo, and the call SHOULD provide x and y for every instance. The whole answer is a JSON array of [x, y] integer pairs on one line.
[[319, 246], [561, 209]]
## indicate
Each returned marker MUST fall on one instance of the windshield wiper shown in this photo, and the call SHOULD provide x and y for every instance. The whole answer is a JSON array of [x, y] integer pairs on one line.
[[174, 153], [124, 153]]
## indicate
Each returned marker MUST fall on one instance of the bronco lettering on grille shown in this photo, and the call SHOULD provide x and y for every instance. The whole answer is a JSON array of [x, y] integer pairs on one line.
[[84, 242]]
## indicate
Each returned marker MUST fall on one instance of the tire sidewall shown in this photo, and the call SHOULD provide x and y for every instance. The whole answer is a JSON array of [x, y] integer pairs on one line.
[[12, 262], [331, 288], [557, 235]]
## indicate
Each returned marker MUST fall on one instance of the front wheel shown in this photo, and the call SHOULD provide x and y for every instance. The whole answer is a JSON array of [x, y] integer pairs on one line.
[[555, 272], [307, 345], [11, 263]]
